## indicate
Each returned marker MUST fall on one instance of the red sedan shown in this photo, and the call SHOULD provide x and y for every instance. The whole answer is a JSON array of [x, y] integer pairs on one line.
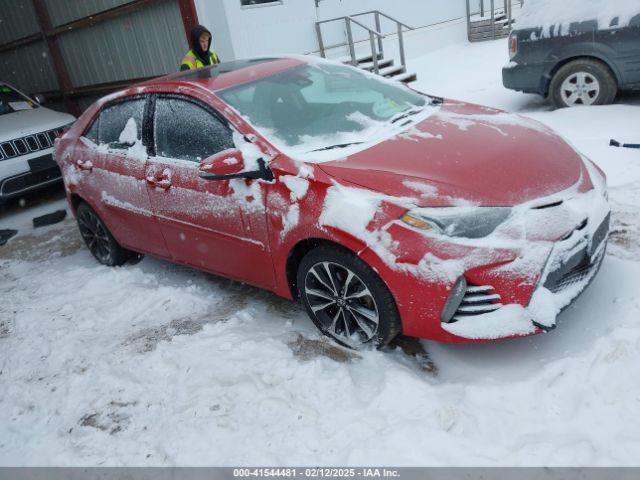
[[384, 210]]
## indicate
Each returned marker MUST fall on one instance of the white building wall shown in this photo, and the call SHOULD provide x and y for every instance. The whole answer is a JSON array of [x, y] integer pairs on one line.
[[289, 26]]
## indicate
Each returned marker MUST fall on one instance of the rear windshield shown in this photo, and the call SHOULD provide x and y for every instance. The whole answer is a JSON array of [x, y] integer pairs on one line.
[[12, 101]]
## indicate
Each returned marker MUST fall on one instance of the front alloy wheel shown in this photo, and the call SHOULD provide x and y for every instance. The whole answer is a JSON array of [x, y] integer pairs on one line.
[[342, 303], [346, 299]]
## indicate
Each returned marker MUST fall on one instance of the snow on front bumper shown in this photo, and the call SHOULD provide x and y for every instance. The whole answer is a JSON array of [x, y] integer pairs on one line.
[[570, 267]]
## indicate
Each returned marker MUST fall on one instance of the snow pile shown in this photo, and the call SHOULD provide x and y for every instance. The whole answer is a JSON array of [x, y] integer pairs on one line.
[[559, 15], [298, 186], [250, 152], [129, 135], [509, 321], [424, 189]]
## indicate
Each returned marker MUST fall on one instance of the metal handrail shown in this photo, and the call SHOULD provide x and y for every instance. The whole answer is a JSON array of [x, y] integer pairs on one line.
[[374, 35], [388, 17], [508, 10]]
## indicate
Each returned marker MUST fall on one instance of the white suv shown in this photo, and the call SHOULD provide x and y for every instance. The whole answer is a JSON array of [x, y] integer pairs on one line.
[[27, 132]]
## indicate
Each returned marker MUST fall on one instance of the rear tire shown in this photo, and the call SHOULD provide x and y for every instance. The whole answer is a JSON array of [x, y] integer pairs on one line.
[[583, 82], [346, 299], [98, 238]]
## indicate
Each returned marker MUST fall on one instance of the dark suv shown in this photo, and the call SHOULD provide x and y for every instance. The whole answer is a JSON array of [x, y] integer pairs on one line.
[[587, 65]]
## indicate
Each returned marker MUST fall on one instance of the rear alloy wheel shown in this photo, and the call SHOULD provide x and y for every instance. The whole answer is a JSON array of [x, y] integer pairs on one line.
[[583, 82], [98, 239], [346, 300]]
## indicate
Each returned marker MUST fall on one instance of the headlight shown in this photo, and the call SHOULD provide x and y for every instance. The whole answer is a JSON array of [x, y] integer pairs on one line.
[[466, 222]]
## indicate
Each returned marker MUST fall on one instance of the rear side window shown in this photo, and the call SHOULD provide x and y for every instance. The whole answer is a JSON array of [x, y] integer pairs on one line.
[[186, 131], [92, 133], [113, 126]]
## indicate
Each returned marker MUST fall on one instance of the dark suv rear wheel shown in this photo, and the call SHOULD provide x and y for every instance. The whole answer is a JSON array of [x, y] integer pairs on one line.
[[583, 82]]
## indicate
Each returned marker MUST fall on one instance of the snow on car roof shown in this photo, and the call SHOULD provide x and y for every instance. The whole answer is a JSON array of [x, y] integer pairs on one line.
[[549, 13]]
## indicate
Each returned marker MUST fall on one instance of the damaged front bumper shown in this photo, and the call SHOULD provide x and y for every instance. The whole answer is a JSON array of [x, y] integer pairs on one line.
[[571, 266]]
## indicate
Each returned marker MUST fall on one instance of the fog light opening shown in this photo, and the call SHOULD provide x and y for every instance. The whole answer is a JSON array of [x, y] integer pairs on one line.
[[455, 299]]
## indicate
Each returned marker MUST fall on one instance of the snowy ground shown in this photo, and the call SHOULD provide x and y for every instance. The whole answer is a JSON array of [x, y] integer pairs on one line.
[[154, 364]]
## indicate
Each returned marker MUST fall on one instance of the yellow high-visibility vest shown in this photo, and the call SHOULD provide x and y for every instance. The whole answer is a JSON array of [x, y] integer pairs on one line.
[[192, 61]]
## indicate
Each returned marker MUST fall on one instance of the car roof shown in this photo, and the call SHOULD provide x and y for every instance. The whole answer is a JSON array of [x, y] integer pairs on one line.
[[229, 74]]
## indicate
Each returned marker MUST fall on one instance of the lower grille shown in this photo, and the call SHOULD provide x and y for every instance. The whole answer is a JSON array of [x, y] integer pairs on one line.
[[28, 181], [478, 300], [575, 275], [582, 265]]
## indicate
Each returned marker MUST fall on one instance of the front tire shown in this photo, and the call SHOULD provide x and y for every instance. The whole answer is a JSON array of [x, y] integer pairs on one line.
[[346, 299], [98, 238], [583, 82]]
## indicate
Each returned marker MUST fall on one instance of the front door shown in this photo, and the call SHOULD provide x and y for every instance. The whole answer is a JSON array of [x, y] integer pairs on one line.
[[203, 221], [110, 167]]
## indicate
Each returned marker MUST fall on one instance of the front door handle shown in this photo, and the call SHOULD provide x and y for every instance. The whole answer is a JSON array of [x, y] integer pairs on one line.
[[84, 165], [164, 184], [163, 181]]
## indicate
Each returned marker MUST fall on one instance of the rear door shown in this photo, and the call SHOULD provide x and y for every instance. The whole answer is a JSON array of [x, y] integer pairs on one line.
[[111, 164], [203, 221]]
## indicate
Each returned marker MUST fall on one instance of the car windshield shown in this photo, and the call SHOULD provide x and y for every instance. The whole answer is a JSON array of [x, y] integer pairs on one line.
[[12, 101], [323, 106]]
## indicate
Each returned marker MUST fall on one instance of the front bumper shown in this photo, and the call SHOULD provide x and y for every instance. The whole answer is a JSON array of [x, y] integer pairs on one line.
[[513, 287]]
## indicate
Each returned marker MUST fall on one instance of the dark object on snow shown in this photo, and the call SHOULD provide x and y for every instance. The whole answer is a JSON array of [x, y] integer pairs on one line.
[[5, 235], [49, 218], [615, 143]]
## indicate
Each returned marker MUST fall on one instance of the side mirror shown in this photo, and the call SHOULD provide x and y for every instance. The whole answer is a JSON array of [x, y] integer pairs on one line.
[[38, 97], [222, 165], [229, 164]]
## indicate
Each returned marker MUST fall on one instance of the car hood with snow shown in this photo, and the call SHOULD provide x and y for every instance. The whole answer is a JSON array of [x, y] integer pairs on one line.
[[31, 121], [467, 154]]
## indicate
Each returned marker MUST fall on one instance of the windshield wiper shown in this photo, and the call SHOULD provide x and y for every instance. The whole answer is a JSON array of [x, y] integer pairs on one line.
[[403, 115], [340, 145]]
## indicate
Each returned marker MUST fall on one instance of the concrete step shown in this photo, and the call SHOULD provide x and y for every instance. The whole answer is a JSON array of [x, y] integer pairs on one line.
[[392, 71], [383, 63], [407, 77], [359, 58]]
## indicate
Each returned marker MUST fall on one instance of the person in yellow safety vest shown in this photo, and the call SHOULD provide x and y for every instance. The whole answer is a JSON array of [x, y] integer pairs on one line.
[[200, 54]]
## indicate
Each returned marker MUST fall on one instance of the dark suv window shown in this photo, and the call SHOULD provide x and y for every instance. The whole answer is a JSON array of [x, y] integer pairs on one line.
[[187, 131], [113, 120]]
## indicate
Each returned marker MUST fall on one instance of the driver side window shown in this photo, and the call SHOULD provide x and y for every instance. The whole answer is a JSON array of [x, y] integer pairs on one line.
[[186, 131]]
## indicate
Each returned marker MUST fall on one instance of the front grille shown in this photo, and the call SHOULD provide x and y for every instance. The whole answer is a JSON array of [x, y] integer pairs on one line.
[[478, 300], [28, 144], [21, 146]]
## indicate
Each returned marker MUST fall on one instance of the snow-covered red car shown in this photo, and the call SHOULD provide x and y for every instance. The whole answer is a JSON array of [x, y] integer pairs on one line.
[[385, 210]]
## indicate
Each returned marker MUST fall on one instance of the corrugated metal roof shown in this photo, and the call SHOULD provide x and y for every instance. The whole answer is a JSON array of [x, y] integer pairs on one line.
[[17, 20], [65, 11], [29, 68], [150, 42]]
